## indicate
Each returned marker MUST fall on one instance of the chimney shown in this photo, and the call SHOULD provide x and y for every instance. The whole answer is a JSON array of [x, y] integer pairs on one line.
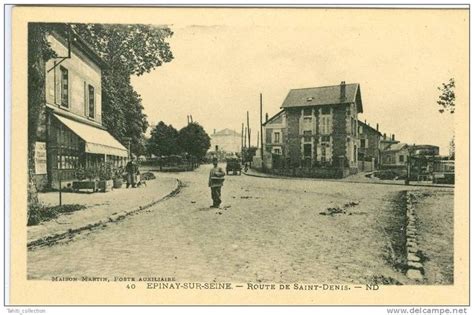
[[384, 136], [343, 90], [214, 131], [266, 117], [377, 126], [393, 137]]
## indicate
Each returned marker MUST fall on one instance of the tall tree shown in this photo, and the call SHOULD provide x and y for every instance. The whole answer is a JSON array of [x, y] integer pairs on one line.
[[127, 50], [447, 97], [163, 140], [194, 140], [446, 101], [39, 51]]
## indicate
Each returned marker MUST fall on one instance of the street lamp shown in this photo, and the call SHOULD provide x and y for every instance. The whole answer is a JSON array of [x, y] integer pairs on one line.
[[407, 180]]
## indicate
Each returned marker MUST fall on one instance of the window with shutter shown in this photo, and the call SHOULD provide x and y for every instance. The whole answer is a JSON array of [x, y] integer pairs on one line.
[[307, 112], [307, 135], [91, 101], [64, 86], [276, 137]]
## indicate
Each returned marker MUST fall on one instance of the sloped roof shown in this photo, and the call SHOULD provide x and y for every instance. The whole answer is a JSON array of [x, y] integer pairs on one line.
[[369, 127], [324, 95], [273, 117], [226, 132], [396, 147]]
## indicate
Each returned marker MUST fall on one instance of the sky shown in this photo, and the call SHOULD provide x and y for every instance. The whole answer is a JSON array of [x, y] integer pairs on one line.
[[223, 62]]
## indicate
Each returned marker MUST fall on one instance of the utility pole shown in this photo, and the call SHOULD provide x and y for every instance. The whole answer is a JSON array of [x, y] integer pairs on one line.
[[248, 126], [258, 139], [245, 138], [242, 138], [250, 137], [407, 180], [60, 164], [261, 127]]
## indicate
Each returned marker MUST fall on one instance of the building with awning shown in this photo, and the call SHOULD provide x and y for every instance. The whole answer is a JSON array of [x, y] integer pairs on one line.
[[96, 140], [71, 135]]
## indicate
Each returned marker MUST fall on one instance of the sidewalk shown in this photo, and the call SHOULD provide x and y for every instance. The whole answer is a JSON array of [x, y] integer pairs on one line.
[[358, 178], [101, 209]]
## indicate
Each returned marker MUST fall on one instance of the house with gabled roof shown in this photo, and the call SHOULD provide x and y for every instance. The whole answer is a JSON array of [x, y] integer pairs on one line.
[[395, 155], [317, 129], [226, 140], [369, 145]]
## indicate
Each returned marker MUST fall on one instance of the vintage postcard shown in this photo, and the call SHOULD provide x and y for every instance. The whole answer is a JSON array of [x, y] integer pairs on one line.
[[239, 156]]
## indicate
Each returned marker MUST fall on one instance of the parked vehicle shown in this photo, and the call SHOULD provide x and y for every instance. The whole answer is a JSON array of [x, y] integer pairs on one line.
[[443, 172], [233, 165]]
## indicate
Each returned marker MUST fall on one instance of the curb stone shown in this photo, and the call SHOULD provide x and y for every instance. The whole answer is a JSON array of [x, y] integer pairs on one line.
[[413, 261], [70, 233], [413, 250], [414, 274], [415, 265], [413, 257]]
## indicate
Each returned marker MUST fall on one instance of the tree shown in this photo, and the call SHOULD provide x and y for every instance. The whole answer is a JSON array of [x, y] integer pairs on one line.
[[447, 98], [163, 140], [447, 102], [194, 140], [39, 51], [452, 149], [127, 50]]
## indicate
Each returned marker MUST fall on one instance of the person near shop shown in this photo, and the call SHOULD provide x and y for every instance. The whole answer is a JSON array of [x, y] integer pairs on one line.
[[216, 181], [132, 172]]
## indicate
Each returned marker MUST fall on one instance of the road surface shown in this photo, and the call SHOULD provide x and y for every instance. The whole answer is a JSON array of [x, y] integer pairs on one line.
[[267, 230]]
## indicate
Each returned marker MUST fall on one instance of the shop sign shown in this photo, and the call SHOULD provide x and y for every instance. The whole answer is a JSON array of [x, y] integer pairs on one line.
[[40, 158]]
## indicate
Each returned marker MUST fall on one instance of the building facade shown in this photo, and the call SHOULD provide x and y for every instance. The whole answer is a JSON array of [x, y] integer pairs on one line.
[[317, 129], [71, 134], [395, 155], [369, 145], [226, 140]]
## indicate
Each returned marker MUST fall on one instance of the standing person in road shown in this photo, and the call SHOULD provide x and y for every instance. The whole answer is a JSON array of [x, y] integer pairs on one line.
[[216, 181], [132, 172]]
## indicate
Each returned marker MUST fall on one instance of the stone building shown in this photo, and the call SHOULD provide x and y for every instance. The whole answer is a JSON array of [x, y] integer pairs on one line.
[[369, 146], [71, 134], [317, 130]]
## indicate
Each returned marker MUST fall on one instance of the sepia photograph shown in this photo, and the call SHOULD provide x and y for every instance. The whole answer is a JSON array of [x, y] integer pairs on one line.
[[298, 150]]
